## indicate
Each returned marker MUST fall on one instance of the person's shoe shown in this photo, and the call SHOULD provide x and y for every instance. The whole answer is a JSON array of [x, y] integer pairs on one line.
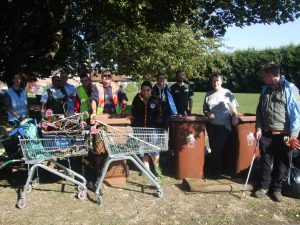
[[277, 196], [158, 171], [260, 193]]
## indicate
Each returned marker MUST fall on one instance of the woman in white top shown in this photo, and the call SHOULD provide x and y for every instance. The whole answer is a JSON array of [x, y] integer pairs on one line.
[[219, 106]]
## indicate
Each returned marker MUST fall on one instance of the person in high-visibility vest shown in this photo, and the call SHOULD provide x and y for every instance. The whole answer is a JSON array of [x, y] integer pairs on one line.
[[83, 94], [107, 96], [15, 100]]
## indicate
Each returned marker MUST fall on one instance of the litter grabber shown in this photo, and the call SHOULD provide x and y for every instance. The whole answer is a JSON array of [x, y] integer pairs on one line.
[[251, 165]]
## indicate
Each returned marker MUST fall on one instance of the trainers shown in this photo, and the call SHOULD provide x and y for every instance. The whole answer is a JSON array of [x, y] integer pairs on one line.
[[260, 193], [277, 196]]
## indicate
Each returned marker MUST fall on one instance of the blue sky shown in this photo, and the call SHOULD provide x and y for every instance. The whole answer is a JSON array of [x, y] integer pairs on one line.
[[261, 36]]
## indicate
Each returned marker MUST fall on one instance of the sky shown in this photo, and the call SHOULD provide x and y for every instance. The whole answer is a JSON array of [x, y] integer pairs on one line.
[[261, 36]]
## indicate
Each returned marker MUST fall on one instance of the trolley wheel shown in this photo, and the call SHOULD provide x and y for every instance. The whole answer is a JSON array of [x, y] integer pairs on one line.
[[81, 195], [160, 193], [29, 188], [80, 188], [99, 200], [21, 203]]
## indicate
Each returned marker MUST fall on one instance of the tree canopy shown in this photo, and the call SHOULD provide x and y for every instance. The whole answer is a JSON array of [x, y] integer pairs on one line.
[[37, 36]]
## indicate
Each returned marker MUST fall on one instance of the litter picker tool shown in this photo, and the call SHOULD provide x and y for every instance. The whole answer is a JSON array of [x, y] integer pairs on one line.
[[251, 165]]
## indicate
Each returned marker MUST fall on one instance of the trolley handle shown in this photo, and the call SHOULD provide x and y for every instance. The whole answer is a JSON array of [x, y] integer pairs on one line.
[[145, 142]]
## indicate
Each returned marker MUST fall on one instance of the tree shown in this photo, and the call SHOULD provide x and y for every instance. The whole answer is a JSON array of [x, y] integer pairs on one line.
[[31, 34], [37, 36], [142, 53]]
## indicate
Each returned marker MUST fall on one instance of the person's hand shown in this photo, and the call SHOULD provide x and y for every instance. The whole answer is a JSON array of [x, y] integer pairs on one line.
[[124, 113], [293, 143], [210, 116], [93, 115], [258, 134], [234, 120]]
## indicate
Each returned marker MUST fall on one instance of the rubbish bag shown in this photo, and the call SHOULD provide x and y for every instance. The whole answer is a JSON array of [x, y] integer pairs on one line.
[[33, 147], [291, 187]]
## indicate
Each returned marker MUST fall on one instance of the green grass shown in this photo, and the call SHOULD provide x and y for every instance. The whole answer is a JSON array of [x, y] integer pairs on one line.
[[247, 101]]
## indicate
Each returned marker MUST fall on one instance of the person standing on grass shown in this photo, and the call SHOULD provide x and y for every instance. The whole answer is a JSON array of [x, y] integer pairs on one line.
[[182, 94], [110, 98], [219, 106], [162, 91], [277, 116], [146, 112], [15, 100]]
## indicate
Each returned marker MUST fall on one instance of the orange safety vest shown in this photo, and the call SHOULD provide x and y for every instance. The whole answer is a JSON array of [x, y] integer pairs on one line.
[[101, 101]]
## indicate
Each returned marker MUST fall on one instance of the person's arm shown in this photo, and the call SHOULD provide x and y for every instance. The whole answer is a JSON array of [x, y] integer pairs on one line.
[[295, 133], [123, 99], [233, 104], [206, 110], [27, 113], [190, 104], [191, 94], [43, 102], [94, 100], [259, 123]]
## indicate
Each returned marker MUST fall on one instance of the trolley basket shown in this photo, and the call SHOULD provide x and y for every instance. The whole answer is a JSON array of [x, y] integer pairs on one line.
[[126, 143]]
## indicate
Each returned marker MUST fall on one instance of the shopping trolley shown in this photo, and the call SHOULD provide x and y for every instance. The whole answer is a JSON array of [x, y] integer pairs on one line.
[[126, 143], [41, 151]]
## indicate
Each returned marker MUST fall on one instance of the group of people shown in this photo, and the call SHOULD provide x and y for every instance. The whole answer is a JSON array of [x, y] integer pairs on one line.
[[278, 114]]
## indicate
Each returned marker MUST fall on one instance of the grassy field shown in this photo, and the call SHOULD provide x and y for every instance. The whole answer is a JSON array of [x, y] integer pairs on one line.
[[247, 101]]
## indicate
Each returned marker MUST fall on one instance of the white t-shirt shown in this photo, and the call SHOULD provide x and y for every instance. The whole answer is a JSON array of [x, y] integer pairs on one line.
[[219, 103]]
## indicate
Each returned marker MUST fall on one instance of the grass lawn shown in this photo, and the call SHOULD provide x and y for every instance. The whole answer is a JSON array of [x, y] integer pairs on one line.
[[247, 101]]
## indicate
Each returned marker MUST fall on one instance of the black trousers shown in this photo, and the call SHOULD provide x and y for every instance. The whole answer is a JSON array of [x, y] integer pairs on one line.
[[276, 159], [218, 136]]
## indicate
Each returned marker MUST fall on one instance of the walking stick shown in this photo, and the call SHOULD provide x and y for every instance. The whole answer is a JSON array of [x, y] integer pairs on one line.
[[250, 169]]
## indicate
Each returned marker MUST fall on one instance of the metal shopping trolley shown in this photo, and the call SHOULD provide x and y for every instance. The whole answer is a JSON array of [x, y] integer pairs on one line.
[[126, 143], [38, 152]]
